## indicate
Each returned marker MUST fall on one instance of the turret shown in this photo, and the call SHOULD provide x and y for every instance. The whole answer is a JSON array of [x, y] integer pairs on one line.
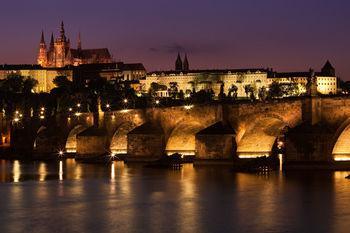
[[178, 63], [186, 66], [62, 33], [328, 70], [42, 56], [52, 43]]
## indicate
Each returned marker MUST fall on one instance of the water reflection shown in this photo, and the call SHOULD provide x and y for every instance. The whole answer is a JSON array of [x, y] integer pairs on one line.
[[103, 198], [60, 171], [16, 171]]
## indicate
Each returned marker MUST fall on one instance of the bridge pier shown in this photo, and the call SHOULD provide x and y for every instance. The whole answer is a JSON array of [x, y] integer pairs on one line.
[[145, 143], [217, 142]]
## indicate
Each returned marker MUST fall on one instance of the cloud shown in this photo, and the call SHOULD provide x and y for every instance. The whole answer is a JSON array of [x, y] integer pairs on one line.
[[192, 48]]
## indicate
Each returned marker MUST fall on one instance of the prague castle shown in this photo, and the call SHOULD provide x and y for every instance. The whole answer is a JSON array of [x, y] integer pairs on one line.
[[60, 53], [188, 80]]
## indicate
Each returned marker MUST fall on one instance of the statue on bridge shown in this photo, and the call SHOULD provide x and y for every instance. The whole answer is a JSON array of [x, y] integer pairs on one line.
[[311, 85]]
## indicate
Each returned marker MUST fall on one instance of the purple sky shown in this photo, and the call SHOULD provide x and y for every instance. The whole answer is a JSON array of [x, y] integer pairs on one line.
[[287, 35]]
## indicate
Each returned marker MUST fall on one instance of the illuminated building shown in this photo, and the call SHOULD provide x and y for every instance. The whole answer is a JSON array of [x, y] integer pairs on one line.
[[189, 80], [60, 54]]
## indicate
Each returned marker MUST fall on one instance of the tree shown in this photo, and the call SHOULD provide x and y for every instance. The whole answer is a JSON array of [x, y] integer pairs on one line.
[[29, 84], [155, 87], [249, 91], [13, 83], [262, 93], [232, 91], [63, 82], [173, 90], [275, 90]]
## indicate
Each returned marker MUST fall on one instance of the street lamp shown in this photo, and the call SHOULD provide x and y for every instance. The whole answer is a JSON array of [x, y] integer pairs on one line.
[[125, 100]]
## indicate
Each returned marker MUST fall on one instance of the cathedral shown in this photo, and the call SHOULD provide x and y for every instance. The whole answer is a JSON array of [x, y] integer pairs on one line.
[[60, 54]]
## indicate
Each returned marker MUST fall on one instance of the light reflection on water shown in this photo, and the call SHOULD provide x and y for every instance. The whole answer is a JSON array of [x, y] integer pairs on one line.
[[66, 196]]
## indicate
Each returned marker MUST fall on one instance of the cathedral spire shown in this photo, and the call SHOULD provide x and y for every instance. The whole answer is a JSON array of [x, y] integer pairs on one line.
[[186, 66], [178, 63], [62, 32], [79, 41], [42, 40], [52, 40]]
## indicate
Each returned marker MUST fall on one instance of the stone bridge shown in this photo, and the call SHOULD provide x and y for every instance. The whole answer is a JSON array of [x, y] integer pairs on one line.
[[311, 128]]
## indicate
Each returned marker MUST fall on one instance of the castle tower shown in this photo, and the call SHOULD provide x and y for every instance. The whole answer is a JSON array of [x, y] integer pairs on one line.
[[52, 43], [328, 70], [178, 63], [61, 48], [186, 66], [42, 56]]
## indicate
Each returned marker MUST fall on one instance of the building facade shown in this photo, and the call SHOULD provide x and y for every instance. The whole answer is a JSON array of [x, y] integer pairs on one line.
[[59, 53], [44, 76], [196, 80]]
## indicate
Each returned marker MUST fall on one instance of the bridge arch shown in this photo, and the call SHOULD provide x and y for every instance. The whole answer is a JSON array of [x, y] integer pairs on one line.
[[71, 142], [40, 137], [119, 141], [341, 142], [183, 138], [259, 136]]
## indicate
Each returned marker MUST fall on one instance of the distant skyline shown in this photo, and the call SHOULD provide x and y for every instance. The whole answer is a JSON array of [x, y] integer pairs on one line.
[[287, 35]]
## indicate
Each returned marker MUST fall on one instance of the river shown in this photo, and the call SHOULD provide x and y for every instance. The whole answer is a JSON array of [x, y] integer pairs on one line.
[[70, 197]]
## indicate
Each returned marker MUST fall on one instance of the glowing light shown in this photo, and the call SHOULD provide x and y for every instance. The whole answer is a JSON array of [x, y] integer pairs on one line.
[[78, 105], [188, 107], [125, 100], [60, 172], [113, 116], [60, 153], [107, 105], [16, 171], [119, 152], [42, 172], [77, 114], [182, 153], [157, 102], [20, 115], [17, 112], [280, 159], [125, 110], [16, 119], [70, 109], [112, 171], [340, 158], [42, 117], [250, 156], [42, 109]]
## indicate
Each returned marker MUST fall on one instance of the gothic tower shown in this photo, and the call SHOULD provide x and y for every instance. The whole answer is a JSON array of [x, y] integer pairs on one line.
[[178, 63], [186, 66], [42, 56], [61, 48]]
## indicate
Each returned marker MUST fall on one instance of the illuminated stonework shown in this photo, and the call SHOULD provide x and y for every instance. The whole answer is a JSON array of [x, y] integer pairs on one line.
[[71, 144], [341, 150]]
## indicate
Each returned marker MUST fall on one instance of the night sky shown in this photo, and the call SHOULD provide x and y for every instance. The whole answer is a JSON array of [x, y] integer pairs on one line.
[[287, 35]]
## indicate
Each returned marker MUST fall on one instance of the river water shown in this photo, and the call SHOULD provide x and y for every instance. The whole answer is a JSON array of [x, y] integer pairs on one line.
[[70, 197]]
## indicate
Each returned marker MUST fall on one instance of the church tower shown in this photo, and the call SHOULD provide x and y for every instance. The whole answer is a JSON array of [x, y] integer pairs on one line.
[[61, 48], [42, 56], [178, 63], [186, 66]]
